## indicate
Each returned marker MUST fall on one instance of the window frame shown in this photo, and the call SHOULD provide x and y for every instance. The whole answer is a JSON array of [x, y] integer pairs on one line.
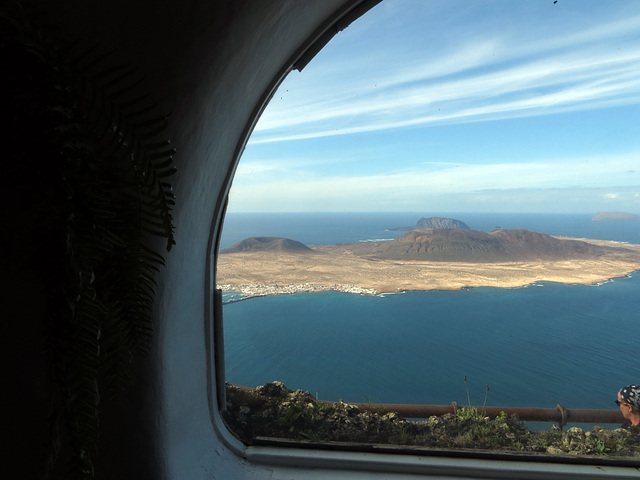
[[359, 459]]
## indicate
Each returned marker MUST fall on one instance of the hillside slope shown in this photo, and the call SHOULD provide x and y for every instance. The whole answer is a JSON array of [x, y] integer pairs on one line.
[[458, 245], [268, 244]]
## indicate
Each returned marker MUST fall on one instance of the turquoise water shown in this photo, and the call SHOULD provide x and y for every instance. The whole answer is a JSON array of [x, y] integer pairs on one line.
[[536, 346]]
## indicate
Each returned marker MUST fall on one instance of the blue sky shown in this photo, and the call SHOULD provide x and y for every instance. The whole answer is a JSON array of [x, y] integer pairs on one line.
[[458, 106]]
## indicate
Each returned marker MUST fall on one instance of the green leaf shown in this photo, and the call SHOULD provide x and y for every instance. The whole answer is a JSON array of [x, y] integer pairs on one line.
[[156, 131], [157, 145], [97, 77], [124, 75], [94, 62], [168, 172], [125, 90], [126, 105]]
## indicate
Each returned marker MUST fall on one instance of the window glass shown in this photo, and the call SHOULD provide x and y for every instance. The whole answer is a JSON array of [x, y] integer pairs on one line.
[[443, 207]]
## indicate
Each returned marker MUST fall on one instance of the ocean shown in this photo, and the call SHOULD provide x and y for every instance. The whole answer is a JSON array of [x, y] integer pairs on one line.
[[535, 346]]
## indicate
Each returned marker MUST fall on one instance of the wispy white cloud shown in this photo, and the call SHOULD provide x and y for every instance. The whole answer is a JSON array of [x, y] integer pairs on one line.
[[460, 179], [561, 200], [479, 81], [473, 73]]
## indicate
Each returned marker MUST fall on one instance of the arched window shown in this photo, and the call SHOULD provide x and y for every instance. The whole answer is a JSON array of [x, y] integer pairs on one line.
[[477, 161]]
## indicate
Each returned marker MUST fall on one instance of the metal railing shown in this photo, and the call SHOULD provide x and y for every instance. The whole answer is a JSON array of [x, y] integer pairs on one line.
[[561, 415]]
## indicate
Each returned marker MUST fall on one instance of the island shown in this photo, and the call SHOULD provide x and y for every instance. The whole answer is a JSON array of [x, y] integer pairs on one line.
[[433, 259], [434, 223], [615, 216]]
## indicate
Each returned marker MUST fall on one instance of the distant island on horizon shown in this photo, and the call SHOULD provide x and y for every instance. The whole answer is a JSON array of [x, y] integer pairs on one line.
[[423, 259], [434, 223], [615, 216]]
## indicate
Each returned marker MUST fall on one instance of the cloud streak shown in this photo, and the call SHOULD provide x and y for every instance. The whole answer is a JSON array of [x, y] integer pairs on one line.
[[353, 132], [479, 81], [454, 179]]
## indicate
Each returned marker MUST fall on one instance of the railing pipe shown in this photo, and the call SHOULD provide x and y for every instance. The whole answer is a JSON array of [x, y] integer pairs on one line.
[[560, 414]]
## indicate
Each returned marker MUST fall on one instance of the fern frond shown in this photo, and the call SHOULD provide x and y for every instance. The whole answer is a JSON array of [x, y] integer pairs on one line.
[[126, 105], [112, 195]]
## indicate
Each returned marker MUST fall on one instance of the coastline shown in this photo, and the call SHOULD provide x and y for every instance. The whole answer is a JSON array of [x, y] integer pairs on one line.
[[336, 268], [247, 291]]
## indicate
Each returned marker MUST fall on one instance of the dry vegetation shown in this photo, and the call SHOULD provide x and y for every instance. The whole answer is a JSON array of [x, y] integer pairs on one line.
[[274, 412]]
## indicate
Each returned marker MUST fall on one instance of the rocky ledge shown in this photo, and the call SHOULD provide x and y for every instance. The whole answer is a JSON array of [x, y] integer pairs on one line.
[[273, 411]]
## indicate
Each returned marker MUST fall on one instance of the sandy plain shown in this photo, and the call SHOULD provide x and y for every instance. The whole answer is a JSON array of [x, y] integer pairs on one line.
[[347, 268]]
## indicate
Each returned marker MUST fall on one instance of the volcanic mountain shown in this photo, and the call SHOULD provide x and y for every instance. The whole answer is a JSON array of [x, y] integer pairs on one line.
[[268, 244], [436, 223], [457, 245], [439, 223]]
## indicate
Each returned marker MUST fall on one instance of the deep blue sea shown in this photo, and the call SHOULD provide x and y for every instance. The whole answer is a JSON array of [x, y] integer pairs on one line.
[[535, 346]]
